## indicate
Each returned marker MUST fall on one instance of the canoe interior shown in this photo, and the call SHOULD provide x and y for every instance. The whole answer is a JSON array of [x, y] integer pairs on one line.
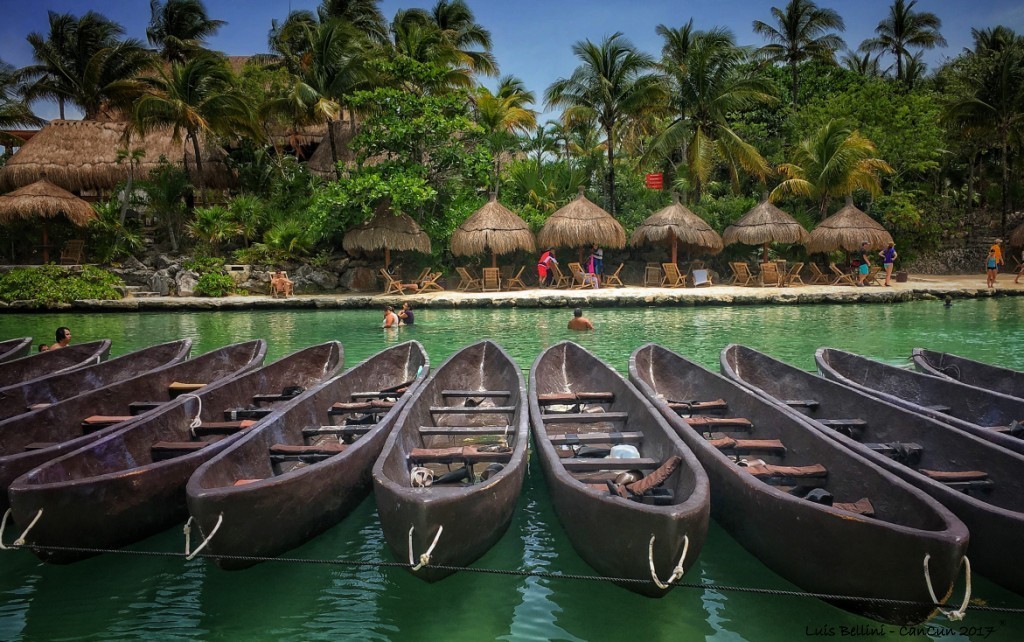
[[968, 371], [40, 364], [15, 348], [17, 399]]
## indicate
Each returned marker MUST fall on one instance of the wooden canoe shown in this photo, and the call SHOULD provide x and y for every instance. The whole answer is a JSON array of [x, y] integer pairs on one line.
[[993, 416], [822, 517], [50, 362], [130, 484], [27, 396], [906, 443], [580, 407], [467, 415], [970, 372], [31, 439], [336, 432], [15, 348]]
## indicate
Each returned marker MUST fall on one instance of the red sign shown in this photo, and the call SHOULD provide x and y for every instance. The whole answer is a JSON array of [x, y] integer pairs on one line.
[[654, 181]]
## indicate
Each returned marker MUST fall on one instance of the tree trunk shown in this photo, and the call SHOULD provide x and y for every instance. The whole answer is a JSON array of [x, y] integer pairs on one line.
[[611, 172], [334, 148], [970, 183], [796, 82], [899, 65], [199, 164], [128, 192], [1006, 185], [60, 106]]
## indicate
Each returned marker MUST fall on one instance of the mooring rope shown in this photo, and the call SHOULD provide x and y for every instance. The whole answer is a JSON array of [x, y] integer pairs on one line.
[[196, 421], [677, 572], [957, 614]]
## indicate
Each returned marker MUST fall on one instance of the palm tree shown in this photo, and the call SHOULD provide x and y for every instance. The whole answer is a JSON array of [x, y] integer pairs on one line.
[[459, 27], [905, 28], [14, 111], [612, 84], [501, 115], [708, 85], [364, 15], [543, 140], [995, 39], [833, 161], [134, 158], [180, 28], [196, 97], [864, 64], [802, 32], [417, 37]]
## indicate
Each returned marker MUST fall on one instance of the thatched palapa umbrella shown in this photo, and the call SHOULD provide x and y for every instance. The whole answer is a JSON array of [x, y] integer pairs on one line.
[[846, 230], [581, 223], [763, 225], [678, 225], [1016, 237], [44, 200], [386, 231], [493, 228]]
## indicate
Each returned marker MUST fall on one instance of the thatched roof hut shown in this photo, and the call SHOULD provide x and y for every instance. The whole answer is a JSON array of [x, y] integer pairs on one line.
[[81, 155], [493, 228], [677, 225], [763, 225], [846, 230], [581, 223], [1016, 237], [386, 231], [44, 200]]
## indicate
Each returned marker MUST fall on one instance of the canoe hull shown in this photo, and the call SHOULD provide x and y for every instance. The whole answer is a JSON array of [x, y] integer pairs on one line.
[[15, 348], [42, 364], [970, 372]]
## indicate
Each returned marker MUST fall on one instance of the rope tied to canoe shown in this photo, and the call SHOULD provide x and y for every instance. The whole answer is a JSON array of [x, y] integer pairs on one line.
[[196, 421], [18, 543], [957, 614], [425, 557], [677, 572], [188, 536]]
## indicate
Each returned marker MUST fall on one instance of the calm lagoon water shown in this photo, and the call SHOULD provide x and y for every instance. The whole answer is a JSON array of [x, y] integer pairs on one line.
[[135, 597]]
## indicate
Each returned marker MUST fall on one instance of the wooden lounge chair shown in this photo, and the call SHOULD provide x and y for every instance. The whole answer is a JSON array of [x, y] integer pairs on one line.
[[817, 276], [558, 280], [769, 275], [741, 274], [73, 253], [581, 279], [702, 278], [872, 276], [842, 278], [491, 280], [613, 280], [430, 283], [393, 285], [673, 279], [794, 275], [280, 285], [515, 282], [467, 281], [652, 275], [424, 273]]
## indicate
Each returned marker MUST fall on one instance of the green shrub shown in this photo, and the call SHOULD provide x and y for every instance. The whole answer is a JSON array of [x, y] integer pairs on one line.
[[214, 284], [204, 264], [50, 284]]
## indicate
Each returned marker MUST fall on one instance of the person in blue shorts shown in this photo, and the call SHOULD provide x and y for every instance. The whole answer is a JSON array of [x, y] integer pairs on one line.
[[865, 263]]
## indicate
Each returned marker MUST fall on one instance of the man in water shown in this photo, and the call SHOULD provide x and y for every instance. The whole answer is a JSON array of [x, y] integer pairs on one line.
[[63, 336], [580, 322]]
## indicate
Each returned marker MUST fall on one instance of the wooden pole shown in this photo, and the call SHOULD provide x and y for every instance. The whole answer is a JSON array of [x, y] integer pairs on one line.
[[46, 245], [674, 240], [494, 259], [387, 257], [764, 257]]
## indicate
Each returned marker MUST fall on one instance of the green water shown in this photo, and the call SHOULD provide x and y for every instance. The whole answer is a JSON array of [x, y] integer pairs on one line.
[[135, 597]]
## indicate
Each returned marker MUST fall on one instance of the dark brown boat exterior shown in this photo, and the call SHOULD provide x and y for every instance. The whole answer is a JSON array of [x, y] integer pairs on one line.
[[289, 507], [969, 372], [29, 440], [613, 534], [989, 415], [50, 362], [116, 490], [14, 348], [994, 515], [473, 516], [821, 548], [17, 399]]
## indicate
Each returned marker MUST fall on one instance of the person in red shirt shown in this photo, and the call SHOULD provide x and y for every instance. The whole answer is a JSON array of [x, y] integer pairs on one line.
[[544, 274]]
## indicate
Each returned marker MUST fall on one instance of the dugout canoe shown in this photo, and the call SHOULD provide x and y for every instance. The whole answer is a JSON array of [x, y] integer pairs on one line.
[[468, 419], [993, 416], [907, 444], [969, 372], [14, 348], [130, 484], [303, 471], [50, 362], [24, 397], [31, 439], [818, 515], [580, 408]]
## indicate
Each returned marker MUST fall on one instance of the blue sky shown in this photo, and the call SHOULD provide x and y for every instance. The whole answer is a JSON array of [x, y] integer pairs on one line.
[[532, 38]]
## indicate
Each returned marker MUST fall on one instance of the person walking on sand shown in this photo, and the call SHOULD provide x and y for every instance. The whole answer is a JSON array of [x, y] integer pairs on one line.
[[991, 267], [865, 264], [63, 336], [544, 273], [596, 264], [888, 258], [580, 322]]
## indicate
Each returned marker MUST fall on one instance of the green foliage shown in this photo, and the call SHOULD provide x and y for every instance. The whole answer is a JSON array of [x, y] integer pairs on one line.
[[109, 240], [212, 225], [52, 284], [214, 284], [258, 254], [291, 238], [204, 264]]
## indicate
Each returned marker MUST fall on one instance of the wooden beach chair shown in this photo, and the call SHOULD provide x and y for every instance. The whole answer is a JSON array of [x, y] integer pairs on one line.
[[393, 285], [612, 280], [73, 253], [769, 275], [424, 273], [817, 276], [581, 279], [515, 282], [652, 275], [281, 286], [741, 274], [467, 281], [793, 276], [702, 278], [491, 280], [430, 283], [842, 278], [672, 279], [559, 279], [872, 277]]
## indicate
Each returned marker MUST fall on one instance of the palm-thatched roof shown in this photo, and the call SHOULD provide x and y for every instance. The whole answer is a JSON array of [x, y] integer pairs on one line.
[[81, 155], [582, 223], [676, 223], [321, 163], [492, 228], [43, 199], [386, 231], [846, 230], [1017, 236], [763, 224]]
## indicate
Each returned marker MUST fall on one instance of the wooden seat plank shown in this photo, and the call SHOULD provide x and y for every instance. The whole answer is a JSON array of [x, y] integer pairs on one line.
[[139, 407], [476, 393], [734, 423], [458, 454], [814, 474], [697, 407], [222, 427], [472, 410], [862, 506], [573, 439], [584, 417], [580, 464], [552, 398], [954, 475], [843, 423], [96, 422], [179, 388], [235, 414], [801, 403], [770, 446], [280, 453], [345, 431], [468, 431]]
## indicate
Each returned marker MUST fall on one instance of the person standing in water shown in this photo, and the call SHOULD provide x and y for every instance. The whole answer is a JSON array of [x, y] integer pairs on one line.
[[63, 336], [580, 322], [406, 315], [390, 318]]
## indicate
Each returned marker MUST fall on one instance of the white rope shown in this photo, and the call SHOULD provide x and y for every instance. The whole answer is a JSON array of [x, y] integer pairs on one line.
[[21, 540], [677, 572], [424, 558], [188, 535], [958, 614], [196, 421]]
